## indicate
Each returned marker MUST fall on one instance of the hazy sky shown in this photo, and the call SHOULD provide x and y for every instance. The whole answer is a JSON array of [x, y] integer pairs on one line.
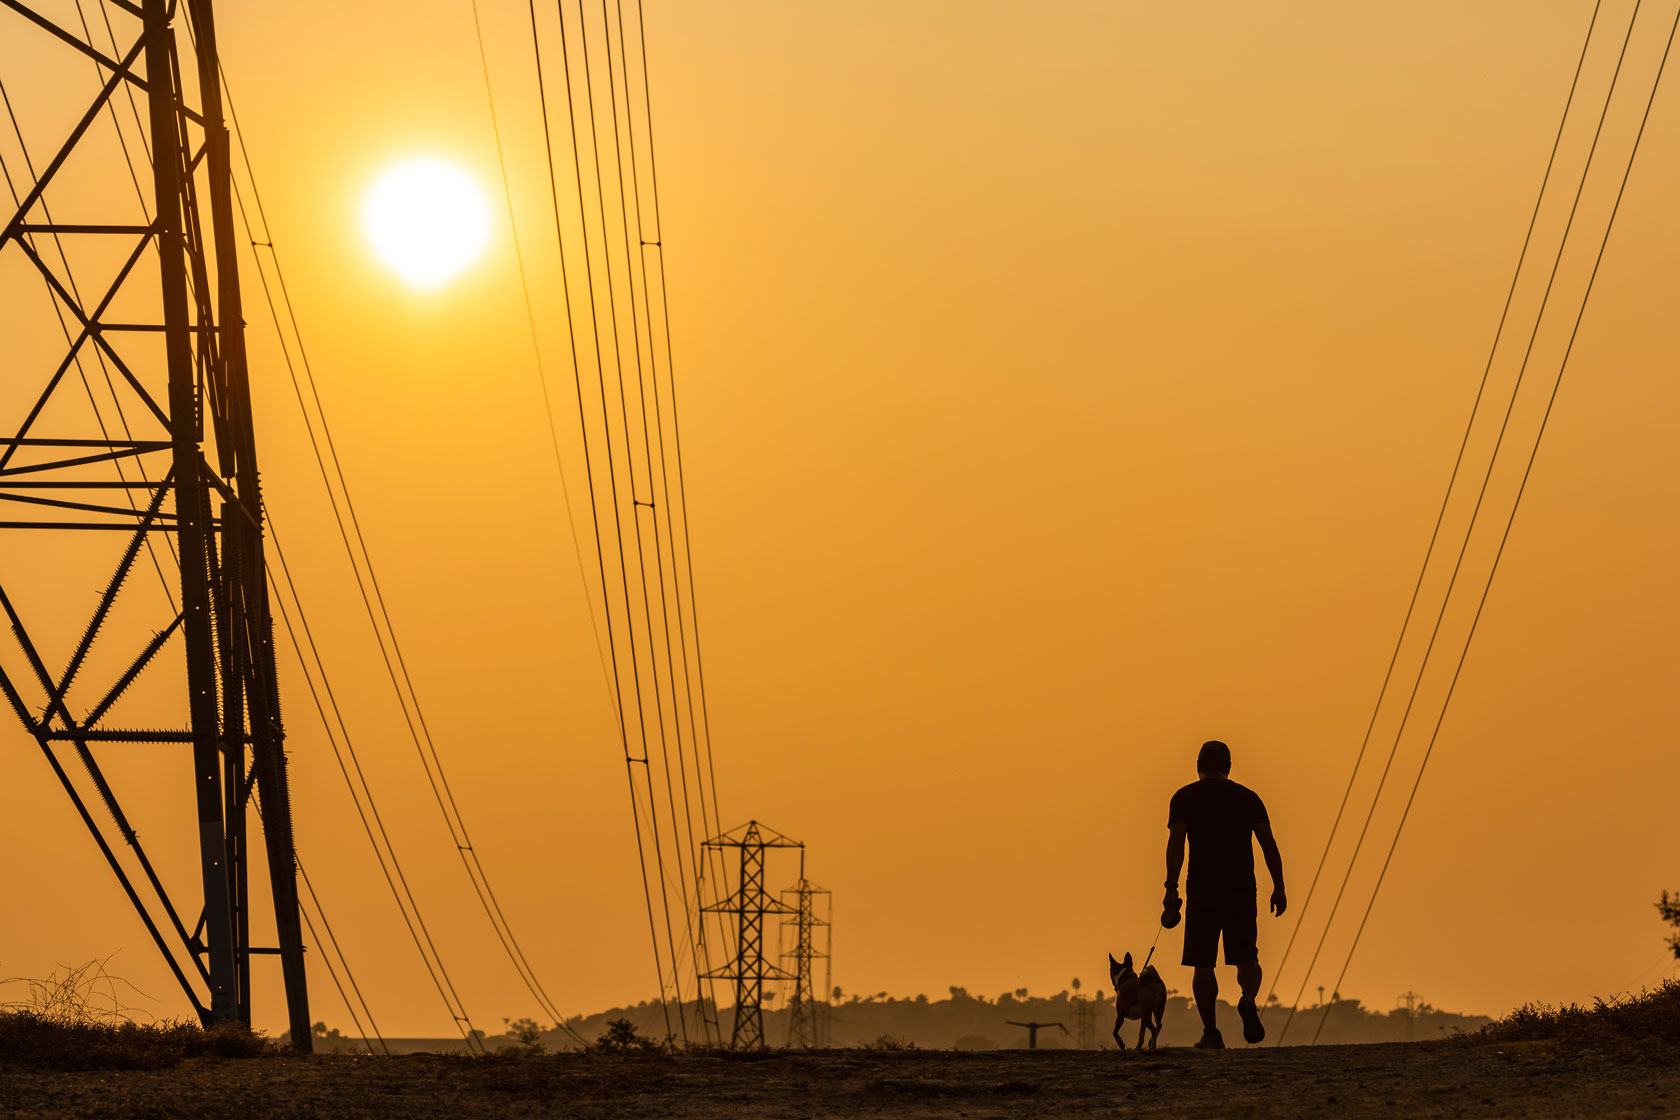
[[1062, 385]]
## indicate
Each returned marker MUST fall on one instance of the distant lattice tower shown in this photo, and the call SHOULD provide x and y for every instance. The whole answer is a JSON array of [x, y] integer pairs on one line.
[[804, 1028], [1084, 1020], [750, 904]]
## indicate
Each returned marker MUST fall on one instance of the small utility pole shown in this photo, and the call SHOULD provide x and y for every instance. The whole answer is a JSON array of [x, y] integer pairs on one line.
[[1032, 1031], [1410, 1002]]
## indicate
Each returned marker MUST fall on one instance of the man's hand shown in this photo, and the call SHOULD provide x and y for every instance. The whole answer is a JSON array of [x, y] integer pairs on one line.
[[1279, 902], [1172, 910]]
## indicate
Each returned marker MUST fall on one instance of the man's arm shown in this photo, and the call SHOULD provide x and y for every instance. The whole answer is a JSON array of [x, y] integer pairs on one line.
[[1274, 865], [1175, 858]]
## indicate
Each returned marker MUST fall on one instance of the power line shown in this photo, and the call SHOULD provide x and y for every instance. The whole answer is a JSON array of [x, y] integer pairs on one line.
[[1434, 535], [709, 825], [647, 448], [659, 433], [589, 469], [332, 974], [553, 433], [536, 352], [1516, 503], [122, 141], [657, 243], [1475, 514], [600, 369], [399, 887], [350, 977], [128, 90], [439, 782]]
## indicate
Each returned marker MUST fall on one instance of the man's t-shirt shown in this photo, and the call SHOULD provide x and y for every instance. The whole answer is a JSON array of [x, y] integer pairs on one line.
[[1219, 816]]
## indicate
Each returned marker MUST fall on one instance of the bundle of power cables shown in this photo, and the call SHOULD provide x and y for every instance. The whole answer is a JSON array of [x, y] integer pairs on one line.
[[1514, 402]]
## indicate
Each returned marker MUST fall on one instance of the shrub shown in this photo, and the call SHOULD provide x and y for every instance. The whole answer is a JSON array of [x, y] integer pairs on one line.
[[527, 1034], [622, 1037]]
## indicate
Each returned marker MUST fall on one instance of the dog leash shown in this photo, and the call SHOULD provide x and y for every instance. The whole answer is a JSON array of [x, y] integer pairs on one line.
[[1152, 944]]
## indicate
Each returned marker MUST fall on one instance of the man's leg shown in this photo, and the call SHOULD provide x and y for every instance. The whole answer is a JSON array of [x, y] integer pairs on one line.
[[1201, 953], [1204, 985], [1248, 979]]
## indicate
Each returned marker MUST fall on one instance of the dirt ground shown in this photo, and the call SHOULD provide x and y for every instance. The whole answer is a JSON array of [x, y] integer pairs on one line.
[[1427, 1080]]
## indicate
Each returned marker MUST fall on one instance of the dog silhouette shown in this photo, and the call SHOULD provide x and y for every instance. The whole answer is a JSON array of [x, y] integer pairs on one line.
[[1141, 997]]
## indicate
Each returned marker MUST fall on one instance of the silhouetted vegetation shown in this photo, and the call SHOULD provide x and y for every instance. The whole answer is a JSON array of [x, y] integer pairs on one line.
[[961, 1021], [1669, 907], [30, 1039], [75, 1018], [622, 1037], [1651, 1017], [84, 993], [888, 1042], [527, 1034]]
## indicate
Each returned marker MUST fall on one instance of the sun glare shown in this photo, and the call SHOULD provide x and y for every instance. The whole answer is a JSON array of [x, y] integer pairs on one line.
[[427, 220]]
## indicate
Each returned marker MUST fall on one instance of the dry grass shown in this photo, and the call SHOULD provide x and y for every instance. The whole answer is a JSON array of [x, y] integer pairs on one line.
[[84, 993], [30, 1039], [1651, 1017], [75, 1019]]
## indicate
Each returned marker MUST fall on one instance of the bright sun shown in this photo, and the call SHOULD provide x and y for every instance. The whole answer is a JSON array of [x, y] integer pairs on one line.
[[427, 220]]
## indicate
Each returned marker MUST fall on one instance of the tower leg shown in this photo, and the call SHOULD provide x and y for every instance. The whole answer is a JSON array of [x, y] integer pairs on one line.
[[243, 520], [192, 511]]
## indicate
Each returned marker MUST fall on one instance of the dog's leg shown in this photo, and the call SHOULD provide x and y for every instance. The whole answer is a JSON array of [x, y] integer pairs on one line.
[[1118, 1019], [1155, 1034], [1143, 1028]]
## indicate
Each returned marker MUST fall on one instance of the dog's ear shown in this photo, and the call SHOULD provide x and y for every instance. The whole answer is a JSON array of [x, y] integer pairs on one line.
[[1127, 963], [1112, 963]]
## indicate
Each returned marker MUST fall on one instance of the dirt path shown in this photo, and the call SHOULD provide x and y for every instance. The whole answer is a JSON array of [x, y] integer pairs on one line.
[[1433, 1080]]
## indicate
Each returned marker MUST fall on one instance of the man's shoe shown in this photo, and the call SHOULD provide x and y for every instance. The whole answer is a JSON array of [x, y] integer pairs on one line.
[[1253, 1030], [1211, 1040]]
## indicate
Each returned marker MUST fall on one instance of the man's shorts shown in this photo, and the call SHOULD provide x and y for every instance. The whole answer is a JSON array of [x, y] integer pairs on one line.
[[1212, 914]]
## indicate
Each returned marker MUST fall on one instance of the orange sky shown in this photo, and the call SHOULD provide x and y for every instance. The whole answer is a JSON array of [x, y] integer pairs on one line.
[[1059, 389]]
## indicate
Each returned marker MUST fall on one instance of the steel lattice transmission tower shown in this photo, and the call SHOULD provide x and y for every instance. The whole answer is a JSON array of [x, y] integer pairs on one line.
[[807, 929], [750, 905], [128, 424]]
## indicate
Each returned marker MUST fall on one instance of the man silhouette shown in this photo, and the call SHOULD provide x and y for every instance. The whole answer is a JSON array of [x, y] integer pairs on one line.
[[1219, 816]]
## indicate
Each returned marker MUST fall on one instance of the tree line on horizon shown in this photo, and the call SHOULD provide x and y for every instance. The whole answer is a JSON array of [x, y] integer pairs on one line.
[[965, 1021]]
